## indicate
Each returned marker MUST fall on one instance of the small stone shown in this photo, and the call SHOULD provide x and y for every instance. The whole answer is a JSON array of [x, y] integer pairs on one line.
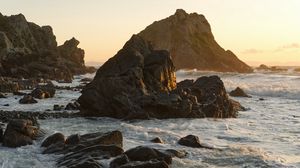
[[157, 140]]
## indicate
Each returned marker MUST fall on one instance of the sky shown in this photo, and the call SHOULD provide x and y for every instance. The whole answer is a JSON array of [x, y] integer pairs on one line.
[[257, 31]]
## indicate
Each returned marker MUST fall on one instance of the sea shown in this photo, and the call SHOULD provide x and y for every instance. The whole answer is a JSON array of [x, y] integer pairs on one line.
[[266, 135]]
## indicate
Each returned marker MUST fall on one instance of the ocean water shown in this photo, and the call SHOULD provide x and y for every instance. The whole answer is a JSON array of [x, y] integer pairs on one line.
[[266, 135]]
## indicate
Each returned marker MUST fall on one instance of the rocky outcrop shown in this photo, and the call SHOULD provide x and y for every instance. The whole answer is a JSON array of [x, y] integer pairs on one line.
[[28, 50], [192, 141], [20, 132], [238, 92], [27, 99], [189, 39], [84, 150], [140, 83], [272, 68]]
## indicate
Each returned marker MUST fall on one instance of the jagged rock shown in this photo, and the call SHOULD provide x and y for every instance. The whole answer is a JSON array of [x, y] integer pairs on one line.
[[53, 139], [140, 83], [72, 106], [20, 132], [27, 99], [238, 92], [73, 139], [189, 39], [157, 140], [89, 149], [272, 68], [28, 50], [192, 141], [145, 157]]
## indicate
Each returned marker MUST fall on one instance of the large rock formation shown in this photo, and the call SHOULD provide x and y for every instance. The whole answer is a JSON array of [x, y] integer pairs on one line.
[[28, 50], [140, 83], [189, 39]]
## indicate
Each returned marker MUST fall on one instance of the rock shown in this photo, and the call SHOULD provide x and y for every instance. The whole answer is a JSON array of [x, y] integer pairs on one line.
[[20, 132], [6, 105], [44, 91], [157, 140], [27, 99], [119, 161], [86, 80], [272, 68], [192, 141], [73, 139], [57, 107], [143, 153], [261, 99], [140, 83], [238, 92], [85, 150], [30, 51], [147, 164], [73, 106], [189, 39], [2, 96], [53, 139]]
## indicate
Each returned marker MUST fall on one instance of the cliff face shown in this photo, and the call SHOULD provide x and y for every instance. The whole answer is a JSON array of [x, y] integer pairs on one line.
[[189, 39], [28, 50]]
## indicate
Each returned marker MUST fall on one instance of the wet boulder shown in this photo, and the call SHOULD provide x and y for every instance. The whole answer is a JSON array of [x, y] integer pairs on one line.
[[20, 132], [238, 92], [53, 139], [157, 140], [44, 91], [192, 141], [57, 107], [27, 99], [73, 139], [72, 106]]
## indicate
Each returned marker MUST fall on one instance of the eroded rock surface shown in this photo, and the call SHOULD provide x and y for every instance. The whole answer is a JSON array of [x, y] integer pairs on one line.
[[189, 39], [140, 83]]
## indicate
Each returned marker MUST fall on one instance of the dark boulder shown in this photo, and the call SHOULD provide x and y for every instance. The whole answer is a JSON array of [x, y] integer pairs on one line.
[[27, 99], [140, 83], [119, 161], [72, 106], [143, 153], [192, 141], [44, 91], [238, 92], [73, 139], [20, 132], [53, 139]]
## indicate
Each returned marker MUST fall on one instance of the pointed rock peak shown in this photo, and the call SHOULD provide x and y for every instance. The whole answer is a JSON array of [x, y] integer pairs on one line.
[[73, 42], [181, 14]]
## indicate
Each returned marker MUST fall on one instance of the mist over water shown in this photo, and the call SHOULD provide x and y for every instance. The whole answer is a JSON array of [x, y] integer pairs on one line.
[[266, 135]]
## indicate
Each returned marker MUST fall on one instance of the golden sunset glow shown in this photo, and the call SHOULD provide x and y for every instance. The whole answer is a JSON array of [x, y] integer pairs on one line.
[[257, 31]]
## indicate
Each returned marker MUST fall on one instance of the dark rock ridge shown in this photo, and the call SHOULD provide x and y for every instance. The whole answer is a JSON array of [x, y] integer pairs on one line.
[[189, 39], [28, 50], [272, 68], [140, 83], [89, 149]]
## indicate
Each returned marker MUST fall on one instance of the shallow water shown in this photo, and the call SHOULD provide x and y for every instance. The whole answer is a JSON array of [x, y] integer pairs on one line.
[[267, 135]]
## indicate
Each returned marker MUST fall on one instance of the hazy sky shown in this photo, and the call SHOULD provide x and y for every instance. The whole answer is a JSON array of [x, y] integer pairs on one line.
[[257, 31]]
